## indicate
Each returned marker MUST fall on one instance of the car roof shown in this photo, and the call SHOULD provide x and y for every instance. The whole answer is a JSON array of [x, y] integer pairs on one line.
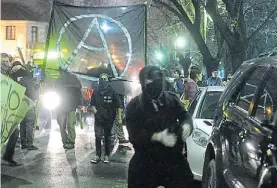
[[215, 88], [269, 54], [262, 61]]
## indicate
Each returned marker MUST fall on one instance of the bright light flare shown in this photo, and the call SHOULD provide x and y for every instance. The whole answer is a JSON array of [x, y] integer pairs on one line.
[[105, 27], [180, 42], [50, 54], [51, 100], [53, 55], [159, 56]]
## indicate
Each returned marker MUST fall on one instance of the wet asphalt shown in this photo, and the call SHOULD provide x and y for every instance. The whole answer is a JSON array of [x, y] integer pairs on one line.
[[54, 167]]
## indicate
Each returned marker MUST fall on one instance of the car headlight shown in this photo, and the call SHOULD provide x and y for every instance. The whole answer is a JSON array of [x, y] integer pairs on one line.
[[51, 100], [200, 137]]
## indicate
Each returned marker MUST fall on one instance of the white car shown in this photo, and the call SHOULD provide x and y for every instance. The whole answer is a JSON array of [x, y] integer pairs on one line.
[[201, 109]]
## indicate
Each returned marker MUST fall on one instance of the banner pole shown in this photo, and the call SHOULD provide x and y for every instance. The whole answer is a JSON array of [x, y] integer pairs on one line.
[[48, 36], [145, 35]]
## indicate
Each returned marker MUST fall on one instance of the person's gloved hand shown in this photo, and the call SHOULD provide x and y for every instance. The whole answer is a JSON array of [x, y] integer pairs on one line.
[[187, 130], [166, 138], [92, 109]]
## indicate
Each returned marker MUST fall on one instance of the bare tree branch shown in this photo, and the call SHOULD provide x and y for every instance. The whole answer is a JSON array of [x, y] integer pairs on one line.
[[182, 12], [229, 6], [237, 7], [168, 7], [197, 17], [256, 3], [220, 49], [209, 61], [219, 22], [262, 25]]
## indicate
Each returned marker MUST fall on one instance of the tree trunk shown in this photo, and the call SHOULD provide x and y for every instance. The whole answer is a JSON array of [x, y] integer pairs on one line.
[[237, 55], [210, 64]]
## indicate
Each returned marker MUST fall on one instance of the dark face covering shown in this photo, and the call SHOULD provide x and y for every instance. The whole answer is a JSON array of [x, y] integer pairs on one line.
[[103, 85], [155, 88]]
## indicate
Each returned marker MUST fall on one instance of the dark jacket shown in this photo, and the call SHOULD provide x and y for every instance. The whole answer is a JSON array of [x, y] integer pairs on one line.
[[24, 78], [105, 103], [143, 121], [70, 91], [154, 164], [71, 98]]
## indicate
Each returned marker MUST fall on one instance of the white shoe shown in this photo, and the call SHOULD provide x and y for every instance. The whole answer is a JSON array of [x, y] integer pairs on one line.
[[96, 160], [106, 159]]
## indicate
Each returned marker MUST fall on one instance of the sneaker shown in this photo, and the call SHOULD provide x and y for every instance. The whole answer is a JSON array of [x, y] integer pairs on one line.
[[12, 162], [32, 148], [96, 160], [23, 147], [106, 159]]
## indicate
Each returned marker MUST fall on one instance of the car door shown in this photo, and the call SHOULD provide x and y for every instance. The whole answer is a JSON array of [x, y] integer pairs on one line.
[[234, 128], [257, 143]]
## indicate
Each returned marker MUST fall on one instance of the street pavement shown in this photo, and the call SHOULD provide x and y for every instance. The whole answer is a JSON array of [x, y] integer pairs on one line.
[[52, 166]]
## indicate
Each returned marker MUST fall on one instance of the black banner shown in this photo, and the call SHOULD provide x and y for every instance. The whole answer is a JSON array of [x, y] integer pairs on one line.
[[84, 38]]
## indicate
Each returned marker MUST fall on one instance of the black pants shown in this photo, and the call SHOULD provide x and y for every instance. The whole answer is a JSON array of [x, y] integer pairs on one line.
[[148, 173], [103, 127], [27, 127], [10, 147]]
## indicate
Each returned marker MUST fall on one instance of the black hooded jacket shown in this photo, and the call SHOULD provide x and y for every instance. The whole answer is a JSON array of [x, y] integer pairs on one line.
[[24, 78], [106, 101], [143, 120]]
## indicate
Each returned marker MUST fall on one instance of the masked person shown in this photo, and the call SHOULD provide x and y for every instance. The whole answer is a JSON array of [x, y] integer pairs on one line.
[[69, 90], [157, 125], [106, 105], [27, 127]]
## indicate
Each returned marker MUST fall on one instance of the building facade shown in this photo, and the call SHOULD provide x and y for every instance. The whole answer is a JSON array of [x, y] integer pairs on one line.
[[22, 33]]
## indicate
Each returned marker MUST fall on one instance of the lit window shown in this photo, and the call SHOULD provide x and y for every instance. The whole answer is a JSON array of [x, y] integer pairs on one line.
[[10, 32], [34, 33]]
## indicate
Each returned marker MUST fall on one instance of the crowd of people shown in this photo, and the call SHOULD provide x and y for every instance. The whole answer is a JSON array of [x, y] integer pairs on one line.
[[186, 88], [20, 74], [158, 137], [104, 105]]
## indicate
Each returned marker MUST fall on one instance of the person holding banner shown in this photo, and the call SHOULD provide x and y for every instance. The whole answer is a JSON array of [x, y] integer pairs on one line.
[[10, 146], [27, 127]]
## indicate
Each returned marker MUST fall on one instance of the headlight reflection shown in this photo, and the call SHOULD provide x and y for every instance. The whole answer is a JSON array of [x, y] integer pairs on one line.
[[51, 100]]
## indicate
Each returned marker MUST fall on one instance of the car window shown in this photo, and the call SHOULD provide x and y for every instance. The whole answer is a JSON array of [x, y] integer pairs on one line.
[[194, 102], [209, 104], [247, 91], [267, 101]]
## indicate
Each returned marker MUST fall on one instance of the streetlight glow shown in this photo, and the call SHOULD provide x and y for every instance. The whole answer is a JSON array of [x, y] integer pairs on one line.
[[105, 27], [180, 42], [159, 56]]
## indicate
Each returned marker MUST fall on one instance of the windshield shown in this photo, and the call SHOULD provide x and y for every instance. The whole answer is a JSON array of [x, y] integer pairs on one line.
[[208, 105]]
